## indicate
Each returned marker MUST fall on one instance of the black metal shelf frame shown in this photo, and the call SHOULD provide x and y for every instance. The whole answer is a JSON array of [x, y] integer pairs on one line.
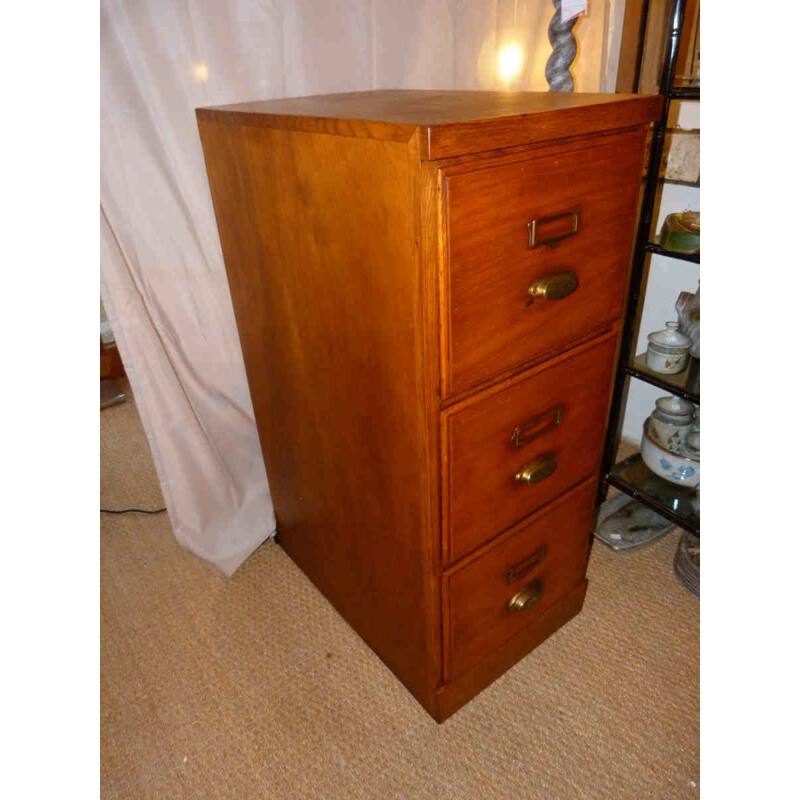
[[684, 92], [657, 249], [631, 475], [685, 384], [675, 182], [676, 503]]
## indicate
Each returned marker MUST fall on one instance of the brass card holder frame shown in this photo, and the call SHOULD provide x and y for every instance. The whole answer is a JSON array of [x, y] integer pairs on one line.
[[525, 567], [534, 227], [523, 434]]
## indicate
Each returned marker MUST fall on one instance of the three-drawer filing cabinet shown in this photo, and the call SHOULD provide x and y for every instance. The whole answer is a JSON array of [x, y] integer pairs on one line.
[[428, 288]]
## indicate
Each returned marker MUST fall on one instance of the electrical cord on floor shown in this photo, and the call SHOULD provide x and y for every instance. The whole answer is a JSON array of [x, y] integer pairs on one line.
[[132, 511]]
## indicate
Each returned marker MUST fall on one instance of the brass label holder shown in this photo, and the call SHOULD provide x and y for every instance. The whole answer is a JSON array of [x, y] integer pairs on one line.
[[525, 567], [535, 229], [537, 426]]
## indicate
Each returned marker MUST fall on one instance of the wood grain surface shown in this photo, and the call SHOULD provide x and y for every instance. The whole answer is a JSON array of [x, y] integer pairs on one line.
[[477, 592], [380, 302], [448, 123], [483, 497], [318, 234], [489, 326], [460, 690]]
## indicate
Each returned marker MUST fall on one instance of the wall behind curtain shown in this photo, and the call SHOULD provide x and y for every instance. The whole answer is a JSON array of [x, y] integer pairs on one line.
[[162, 275]]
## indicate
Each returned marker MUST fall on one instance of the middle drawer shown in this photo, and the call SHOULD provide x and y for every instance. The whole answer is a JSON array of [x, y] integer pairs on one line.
[[513, 451]]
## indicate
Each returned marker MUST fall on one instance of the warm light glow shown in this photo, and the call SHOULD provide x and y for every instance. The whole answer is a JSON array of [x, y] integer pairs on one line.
[[509, 61], [503, 59], [200, 72]]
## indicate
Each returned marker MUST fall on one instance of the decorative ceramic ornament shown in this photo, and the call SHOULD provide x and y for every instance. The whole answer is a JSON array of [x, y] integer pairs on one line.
[[679, 469], [668, 350], [680, 233], [672, 422], [688, 308]]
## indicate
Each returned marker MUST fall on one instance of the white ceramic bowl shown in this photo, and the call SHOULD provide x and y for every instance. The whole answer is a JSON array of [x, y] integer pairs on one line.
[[672, 467]]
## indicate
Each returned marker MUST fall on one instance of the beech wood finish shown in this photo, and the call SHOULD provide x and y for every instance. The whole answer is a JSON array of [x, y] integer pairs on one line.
[[447, 123], [339, 228], [482, 496], [550, 548], [490, 326]]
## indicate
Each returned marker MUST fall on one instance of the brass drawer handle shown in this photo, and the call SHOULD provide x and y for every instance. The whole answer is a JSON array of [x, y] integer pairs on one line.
[[525, 566], [537, 470], [527, 597], [541, 423], [553, 286], [535, 237]]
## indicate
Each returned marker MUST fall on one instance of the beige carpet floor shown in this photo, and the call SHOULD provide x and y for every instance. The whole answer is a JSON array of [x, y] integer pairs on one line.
[[254, 687]]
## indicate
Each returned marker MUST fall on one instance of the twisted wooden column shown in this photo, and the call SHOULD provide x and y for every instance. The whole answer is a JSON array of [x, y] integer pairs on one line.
[[564, 47]]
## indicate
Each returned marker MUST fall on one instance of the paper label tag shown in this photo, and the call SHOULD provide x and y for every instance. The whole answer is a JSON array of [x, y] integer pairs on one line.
[[573, 8]]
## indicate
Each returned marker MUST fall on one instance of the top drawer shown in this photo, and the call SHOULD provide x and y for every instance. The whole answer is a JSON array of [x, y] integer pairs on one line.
[[567, 216]]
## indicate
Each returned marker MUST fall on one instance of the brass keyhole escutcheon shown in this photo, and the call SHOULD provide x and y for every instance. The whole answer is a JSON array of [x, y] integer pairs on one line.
[[526, 597], [553, 286]]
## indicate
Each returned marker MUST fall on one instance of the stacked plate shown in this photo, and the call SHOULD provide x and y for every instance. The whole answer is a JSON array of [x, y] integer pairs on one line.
[[687, 563]]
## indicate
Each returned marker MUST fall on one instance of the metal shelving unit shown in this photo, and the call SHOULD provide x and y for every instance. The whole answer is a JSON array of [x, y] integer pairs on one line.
[[683, 92], [631, 475], [685, 384], [657, 249]]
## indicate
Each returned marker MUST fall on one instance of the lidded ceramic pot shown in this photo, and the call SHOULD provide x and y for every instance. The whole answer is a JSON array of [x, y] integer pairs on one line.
[[668, 350], [671, 422], [677, 468]]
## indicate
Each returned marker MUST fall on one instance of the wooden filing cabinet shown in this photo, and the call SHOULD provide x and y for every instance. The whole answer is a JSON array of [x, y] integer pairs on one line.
[[428, 288]]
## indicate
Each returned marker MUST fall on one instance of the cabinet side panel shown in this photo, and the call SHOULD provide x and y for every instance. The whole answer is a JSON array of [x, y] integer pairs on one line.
[[318, 234]]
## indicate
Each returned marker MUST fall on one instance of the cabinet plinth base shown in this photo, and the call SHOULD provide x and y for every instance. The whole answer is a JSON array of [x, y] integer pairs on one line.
[[460, 691]]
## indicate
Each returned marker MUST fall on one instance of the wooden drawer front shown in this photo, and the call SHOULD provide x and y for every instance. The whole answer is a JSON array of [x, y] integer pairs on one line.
[[545, 558], [490, 328], [558, 411]]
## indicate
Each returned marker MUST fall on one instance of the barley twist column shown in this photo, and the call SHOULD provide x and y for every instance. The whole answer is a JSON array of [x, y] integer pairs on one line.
[[565, 47]]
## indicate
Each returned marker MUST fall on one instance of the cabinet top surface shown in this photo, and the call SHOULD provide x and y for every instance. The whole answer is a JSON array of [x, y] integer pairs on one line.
[[446, 123], [427, 107]]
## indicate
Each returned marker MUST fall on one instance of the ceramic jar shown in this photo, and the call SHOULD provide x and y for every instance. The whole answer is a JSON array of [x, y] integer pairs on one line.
[[678, 468], [668, 350], [672, 422]]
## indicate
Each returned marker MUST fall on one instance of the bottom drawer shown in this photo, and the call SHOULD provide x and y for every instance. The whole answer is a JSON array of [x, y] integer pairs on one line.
[[492, 596]]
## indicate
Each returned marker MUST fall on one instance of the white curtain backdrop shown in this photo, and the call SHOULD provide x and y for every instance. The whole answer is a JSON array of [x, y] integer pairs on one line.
[[162, 274]]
